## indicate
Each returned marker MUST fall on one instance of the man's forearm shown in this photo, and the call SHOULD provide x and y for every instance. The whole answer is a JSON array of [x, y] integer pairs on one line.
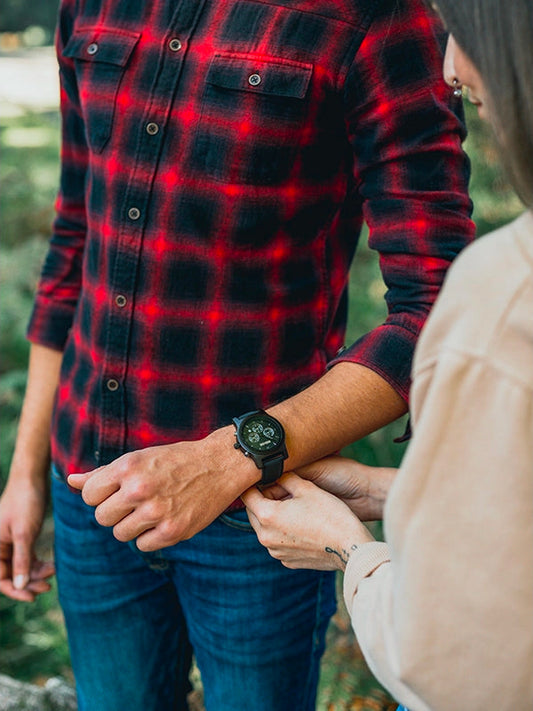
[[189, 484], [344, 405], [347, 403]]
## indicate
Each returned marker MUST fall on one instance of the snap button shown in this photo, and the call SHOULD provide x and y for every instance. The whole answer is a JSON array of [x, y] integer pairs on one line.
[[174, 44], [152, 128], [92, 48], [112, 384], [134, 213], [120, 300], [254, 79]]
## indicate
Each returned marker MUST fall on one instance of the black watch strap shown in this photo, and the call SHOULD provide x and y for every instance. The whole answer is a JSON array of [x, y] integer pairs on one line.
[[272, 469]]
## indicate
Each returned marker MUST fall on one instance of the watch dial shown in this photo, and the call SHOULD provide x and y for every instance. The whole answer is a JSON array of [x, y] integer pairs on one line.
[[261, 433]]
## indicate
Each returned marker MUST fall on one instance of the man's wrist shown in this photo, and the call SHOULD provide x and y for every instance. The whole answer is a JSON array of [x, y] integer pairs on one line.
[[232, 462]]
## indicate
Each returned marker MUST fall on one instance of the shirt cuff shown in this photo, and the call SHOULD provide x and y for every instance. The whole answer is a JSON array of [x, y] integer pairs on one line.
[[361, 564], [388, 351]]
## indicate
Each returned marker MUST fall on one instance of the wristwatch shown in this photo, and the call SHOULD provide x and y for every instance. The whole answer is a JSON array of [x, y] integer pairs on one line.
[[262, 438]]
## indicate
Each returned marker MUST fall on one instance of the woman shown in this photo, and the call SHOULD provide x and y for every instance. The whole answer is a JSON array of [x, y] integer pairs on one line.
[[444, 611]]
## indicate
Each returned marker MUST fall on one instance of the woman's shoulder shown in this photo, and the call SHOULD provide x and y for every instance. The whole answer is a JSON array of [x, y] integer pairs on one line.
[[485, 307], [499, 258]]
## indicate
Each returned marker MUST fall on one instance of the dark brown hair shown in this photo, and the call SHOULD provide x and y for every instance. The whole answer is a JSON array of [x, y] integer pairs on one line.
[[497, 35]]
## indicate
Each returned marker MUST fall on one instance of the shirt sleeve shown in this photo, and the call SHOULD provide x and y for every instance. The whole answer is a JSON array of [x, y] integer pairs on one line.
[[456, 599], [411, 175], [60, 283]]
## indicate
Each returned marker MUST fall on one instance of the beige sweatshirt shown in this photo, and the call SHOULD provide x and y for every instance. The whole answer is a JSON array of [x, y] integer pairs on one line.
[[447, 624]]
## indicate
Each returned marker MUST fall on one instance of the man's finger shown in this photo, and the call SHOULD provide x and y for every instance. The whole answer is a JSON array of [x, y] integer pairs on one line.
[[135, 524], [77, 481], [151, 540], [95, 488], [111, 511]]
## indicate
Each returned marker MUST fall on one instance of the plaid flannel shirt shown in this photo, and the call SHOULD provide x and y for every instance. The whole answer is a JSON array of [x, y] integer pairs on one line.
[[218, 160]]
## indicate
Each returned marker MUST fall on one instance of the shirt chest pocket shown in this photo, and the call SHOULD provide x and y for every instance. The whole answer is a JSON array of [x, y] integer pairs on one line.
[[253, 118], [100, 57]]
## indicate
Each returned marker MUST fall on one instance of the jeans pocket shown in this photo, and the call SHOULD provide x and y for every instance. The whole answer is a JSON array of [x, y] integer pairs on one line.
[[236, 519], [56, 474]]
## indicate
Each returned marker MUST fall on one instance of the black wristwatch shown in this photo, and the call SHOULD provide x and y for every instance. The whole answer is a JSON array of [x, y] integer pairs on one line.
[[262, 438]]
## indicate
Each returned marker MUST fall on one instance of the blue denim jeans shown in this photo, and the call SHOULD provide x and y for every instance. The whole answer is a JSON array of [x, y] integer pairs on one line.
[[257, 629]]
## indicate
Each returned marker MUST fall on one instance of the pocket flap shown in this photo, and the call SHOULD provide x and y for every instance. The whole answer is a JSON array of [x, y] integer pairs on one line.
[[101, 45], [278, 77]]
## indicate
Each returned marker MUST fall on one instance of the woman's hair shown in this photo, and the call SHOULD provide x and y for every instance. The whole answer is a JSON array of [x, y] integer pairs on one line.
[[497, 36]]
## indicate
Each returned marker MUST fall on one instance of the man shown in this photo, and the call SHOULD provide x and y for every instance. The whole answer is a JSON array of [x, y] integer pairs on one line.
[[218, 161]]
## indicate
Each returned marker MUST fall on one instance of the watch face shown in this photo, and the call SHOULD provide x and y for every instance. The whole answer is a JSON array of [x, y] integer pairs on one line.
[[261, 433]]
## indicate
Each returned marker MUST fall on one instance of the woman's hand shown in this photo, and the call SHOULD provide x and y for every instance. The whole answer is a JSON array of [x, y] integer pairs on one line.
[[364, 489], [307, 528]]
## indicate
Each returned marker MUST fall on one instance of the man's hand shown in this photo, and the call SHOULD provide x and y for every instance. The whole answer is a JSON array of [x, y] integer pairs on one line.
[[307, 528], [165, 494], [364, 489], [22, 575]]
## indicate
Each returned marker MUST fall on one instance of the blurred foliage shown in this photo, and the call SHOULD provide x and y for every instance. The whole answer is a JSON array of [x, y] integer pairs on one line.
[[495, 202], [16, 15], [29, 174], [33, 643]]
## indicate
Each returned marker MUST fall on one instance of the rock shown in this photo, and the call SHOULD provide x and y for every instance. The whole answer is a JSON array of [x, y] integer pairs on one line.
[[56, 695], [60, 695]]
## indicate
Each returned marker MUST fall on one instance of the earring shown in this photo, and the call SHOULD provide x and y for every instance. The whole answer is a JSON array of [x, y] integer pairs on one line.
[[457, 88]]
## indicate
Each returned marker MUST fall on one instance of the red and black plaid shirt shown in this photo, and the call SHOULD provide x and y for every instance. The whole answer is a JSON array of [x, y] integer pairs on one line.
[[218, 159]]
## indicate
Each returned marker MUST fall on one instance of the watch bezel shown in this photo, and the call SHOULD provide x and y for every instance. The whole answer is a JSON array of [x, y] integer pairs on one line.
[[275, 424], [270, 462]]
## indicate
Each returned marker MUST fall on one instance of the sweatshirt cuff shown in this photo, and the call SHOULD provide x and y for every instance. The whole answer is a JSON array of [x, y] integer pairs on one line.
[[361, 564]]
